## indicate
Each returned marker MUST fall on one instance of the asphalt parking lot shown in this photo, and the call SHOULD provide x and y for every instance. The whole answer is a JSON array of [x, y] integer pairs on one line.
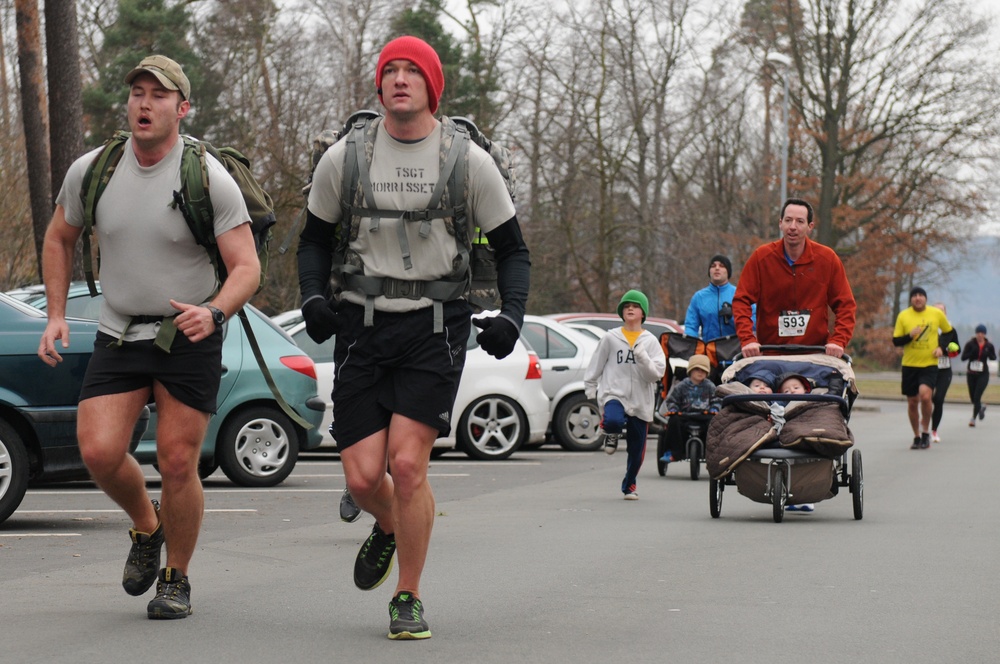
[[538, 559]]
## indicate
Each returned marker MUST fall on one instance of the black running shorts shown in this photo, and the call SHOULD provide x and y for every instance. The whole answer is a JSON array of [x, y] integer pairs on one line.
[[914, 377], [191, 372], [397, 366]]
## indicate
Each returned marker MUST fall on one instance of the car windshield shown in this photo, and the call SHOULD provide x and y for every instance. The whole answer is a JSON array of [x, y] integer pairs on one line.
[[21, 306]]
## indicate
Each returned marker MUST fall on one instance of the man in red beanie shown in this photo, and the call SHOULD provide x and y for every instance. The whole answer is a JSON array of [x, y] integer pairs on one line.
[[401, 343]]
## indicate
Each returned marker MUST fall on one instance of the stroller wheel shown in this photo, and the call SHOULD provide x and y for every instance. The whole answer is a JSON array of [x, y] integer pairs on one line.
[[857, 485], [778, 495], [715, 488]]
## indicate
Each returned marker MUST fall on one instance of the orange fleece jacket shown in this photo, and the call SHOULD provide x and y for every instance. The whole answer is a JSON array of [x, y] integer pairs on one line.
[[815, 282]]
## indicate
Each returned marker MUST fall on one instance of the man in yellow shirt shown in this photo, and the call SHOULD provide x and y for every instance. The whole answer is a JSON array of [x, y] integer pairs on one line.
[[916, 331]]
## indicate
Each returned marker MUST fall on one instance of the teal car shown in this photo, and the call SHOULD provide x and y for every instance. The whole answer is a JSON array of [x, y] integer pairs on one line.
[[249, 438], [38, 405]]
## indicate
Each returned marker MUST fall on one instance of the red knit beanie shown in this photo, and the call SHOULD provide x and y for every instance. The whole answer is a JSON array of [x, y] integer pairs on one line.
[[423, 56]]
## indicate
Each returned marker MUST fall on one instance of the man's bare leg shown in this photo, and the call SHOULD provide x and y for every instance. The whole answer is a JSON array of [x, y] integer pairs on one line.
[[179, 435]]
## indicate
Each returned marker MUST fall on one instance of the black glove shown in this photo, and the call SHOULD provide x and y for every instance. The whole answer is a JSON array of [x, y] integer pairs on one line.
[[498, 335], [322, 319]]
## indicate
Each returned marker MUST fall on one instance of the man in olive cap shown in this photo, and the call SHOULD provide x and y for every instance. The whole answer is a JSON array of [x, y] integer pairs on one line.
[[153, 274]]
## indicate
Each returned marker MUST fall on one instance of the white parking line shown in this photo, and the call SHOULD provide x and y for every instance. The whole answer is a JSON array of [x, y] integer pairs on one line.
[[112, 511]]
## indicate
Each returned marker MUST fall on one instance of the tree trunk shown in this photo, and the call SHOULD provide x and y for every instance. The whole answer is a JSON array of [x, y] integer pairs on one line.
[[34, 113], [66, 114]]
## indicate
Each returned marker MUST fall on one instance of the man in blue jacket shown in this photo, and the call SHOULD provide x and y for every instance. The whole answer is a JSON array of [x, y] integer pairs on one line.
[[710, 314]]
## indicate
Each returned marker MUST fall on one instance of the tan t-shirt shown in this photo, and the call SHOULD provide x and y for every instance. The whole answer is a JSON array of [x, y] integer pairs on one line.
[[148, 253], [403, 176]]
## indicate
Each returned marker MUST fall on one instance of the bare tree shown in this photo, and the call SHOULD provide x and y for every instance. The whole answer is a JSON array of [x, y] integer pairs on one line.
[[34, 115], [65, 108]]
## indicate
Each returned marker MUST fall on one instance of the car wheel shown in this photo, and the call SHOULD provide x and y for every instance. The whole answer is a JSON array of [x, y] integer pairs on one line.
[[13, 470], [577, 424], [492, 427], [206, 467], [257, 447]]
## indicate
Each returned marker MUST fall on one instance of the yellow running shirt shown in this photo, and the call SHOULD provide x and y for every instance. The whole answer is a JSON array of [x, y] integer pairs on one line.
[[919, 352]]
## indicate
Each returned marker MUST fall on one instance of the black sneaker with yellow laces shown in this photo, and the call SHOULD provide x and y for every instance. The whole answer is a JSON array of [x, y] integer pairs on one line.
[[173, 596], [143, 560]]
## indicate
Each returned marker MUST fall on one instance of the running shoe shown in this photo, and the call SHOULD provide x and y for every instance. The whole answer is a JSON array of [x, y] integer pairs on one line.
[[667, 457], [173, 596], [804, 507], [972, 422], [611, 442], [982, 412], [374, 561], [631, 495], [934, 437], [925, 440], [406, 618], [916, 443], [143, 560], [349, 510]]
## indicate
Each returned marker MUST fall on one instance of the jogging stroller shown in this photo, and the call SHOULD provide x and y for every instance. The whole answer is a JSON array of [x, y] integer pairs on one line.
[[686, 438], [785, 449]]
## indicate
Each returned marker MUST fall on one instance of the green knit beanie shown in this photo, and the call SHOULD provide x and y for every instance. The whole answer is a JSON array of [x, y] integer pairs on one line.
[[635, 297]]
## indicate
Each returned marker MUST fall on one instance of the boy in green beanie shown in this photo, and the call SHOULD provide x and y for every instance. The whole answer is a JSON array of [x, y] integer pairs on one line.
[[627, 364]]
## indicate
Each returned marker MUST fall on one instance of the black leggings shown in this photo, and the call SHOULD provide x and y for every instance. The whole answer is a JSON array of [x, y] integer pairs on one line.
[[940, 390], [977, 385]]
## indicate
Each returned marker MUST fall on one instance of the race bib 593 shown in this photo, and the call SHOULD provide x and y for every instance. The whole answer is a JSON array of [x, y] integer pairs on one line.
[[792, 323]]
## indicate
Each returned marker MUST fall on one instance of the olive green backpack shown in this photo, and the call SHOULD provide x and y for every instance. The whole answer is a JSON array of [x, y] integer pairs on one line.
[[195, 203]]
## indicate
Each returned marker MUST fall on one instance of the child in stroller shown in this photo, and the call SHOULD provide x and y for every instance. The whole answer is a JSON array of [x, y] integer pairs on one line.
[[758, 439], [687, 409]]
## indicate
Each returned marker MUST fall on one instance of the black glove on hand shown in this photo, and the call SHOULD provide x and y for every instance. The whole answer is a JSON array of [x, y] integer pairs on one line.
[[498, 335], [322, 321]]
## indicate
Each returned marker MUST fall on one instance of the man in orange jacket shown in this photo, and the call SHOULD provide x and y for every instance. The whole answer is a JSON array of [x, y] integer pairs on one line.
[[794, 282]]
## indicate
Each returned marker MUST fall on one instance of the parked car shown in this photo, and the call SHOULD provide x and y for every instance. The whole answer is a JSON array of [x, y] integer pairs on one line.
[[38, 404], [501, 404], [565, 354], [609, 320], [592, 331], [249, 437]]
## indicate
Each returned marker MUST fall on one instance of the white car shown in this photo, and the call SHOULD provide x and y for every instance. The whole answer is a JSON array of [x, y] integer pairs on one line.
[[592, 331], [565, 354], [501, 404]]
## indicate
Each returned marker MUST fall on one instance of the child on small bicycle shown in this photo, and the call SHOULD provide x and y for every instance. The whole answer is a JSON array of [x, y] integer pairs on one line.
[[693, 395]]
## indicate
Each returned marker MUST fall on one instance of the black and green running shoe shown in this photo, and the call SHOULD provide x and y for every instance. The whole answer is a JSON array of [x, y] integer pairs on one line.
[[374, 561], [173, 596], [349, 510], [143, 558], [406, 618]]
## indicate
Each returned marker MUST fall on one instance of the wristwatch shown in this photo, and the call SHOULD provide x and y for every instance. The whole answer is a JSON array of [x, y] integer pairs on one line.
[[217, 316]]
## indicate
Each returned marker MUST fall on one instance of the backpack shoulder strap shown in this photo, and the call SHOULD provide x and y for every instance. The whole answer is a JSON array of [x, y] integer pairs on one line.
[[194, 199], [95, 181]]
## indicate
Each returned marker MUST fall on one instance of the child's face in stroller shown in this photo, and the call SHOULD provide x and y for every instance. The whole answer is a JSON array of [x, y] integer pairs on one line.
[[793, 385], [760, 387], [697, 376]]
